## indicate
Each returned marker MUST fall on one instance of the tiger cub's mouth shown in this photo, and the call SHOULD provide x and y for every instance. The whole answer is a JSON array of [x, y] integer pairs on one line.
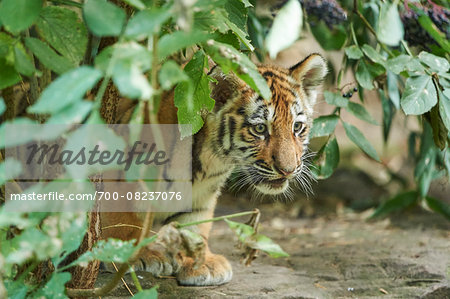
[[273, 186], [275, 183]]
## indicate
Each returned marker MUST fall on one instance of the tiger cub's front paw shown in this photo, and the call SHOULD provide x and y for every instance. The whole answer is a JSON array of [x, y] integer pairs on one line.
[[157, 262], [216, 270]]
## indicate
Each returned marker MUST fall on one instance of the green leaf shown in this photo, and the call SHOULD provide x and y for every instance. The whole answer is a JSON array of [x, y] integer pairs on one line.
[[18, 15], [363, 75], [419, 95], [329, 40], [436, 63], [415, 67], [324, 125], [8, 75], [241, 35], [171, 43], [147, 294], [191, 97], [71, 232], [427, 151], [237, 13], [247, 235], [285, 29], [335, 99], [171, 74], [432, 30], [103, 18], [55, 288], [112, 250], [424, 180], [146, 22], [73, 114], [230, 59], [246, 3], [398, 203], [32, 243], [257, 33], [90, 136], [47, 56], [19, 136], [229, 38], [22, 61], [131, 82], [237, 20], [64, 31], [266, 244], [388, 114], [393, 92], [373, 55], [444, 107], [17, 289], [439, 206], [425, 166], [243, 231], [136, 3], [66, 90], [2, 105], [358, 138], [440, 132], [390, 27], [127, 62], [6, 47], [128, 53], [21, 220], [398, 64], [353, 52], [360, 112], [9, 169], [328, 160], [211, 18]]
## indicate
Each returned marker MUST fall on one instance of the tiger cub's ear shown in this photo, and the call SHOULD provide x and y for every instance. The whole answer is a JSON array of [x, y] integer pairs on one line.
[[225, 87], [310, 72]]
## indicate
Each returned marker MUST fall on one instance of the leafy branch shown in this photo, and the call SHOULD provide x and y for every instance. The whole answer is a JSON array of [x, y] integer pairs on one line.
[[101, 291]]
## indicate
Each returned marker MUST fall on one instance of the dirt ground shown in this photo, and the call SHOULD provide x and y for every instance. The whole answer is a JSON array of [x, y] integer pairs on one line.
[[334, 251]]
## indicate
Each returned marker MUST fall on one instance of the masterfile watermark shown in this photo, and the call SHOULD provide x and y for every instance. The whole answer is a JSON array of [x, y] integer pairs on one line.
[[55, 155], [135, 168]]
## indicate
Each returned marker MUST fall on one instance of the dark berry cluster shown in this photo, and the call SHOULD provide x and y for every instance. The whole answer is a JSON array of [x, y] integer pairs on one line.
[[349, 94], [415, 35], [328, 11]]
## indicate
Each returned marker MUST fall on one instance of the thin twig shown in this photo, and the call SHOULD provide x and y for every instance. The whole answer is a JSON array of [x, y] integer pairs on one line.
[[147, 225], [181, 225], [125, 225], [123, 280]]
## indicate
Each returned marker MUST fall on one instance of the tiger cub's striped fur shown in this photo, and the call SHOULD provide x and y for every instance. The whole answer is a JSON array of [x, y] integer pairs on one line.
[[265, 140]]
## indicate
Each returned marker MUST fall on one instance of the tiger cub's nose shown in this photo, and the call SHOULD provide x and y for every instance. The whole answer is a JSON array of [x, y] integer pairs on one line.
[[284, 171]]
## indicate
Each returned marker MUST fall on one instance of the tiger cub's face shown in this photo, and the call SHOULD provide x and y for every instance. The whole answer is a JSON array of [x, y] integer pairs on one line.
[[268, 139]]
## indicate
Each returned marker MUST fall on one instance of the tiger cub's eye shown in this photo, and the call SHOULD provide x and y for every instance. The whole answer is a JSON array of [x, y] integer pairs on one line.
[[260, 128], [298, 127]]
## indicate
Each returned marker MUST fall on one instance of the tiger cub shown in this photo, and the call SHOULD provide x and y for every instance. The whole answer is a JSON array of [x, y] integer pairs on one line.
[[264, 139]]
